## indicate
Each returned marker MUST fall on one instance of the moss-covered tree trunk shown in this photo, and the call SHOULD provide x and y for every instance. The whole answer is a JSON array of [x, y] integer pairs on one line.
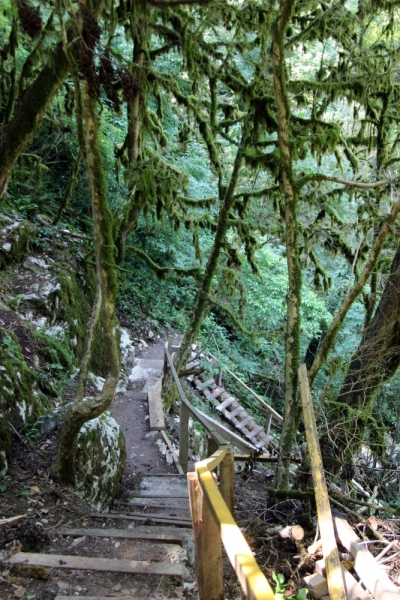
[[133, 137], [292, 347], [16, 134], [85, 409], [375, 361], [203, 292]]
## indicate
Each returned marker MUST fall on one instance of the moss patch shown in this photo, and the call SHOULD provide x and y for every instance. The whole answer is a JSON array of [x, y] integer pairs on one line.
[[15, 240]]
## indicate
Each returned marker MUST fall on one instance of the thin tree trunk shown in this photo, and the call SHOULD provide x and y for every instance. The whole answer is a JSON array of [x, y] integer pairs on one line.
[[133, 146], [204, 289], [291, 409], [375, 361], [68, 191]]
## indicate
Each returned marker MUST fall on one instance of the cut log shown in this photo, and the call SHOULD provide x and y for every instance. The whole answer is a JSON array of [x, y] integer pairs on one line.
[[167, 538], [295, 533], [369, 571], [61, 561]]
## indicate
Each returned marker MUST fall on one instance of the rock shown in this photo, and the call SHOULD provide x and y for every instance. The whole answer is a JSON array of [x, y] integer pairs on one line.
[[37, 265], [138, 373], [100, 460], [97, 381], [15, 241], [127, 350], [150, 334], [144, 344]]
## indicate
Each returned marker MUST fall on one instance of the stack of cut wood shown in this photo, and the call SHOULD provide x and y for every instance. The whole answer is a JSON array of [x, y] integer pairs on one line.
[[232, 411]]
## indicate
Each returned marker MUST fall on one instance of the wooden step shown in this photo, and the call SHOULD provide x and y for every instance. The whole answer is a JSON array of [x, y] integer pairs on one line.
[[225, 403], [142, 517], [236, 411], [202, 386], [245, 422], [255, 432], [217, 392], [169, 515], [167, 538], [63, 561]]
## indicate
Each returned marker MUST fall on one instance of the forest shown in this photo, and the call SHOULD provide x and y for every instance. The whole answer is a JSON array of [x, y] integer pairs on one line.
[[230, 170]]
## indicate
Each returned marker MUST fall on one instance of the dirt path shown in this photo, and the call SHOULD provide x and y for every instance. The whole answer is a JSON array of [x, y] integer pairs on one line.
[[130, 410]]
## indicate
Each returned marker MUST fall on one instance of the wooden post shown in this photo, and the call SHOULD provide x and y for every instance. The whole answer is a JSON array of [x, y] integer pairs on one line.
[[268, 423], [169, 346], [325, 521], [227, 481], [219, 382], [207, 544], [212, 447], [184, 437]]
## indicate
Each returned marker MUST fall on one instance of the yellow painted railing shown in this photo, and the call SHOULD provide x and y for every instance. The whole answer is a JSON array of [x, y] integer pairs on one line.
[[212, 510]]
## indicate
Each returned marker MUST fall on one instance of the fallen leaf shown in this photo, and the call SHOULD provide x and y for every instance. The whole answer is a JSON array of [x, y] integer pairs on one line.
[[117, 588], [27, 350], [373, 523], [117, 544], [35, 490], [19, 591], [44, 511], [5, 573], [125, 592], [79, 575]]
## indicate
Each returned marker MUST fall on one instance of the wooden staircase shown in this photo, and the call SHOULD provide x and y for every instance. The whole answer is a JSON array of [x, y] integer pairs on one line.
[[153, 530]]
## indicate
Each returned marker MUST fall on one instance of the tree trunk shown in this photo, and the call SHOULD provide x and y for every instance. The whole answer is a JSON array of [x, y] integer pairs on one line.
[[204, 289], [130, 221], [86, 409], [291, 410], [16, 134], [374, 363]]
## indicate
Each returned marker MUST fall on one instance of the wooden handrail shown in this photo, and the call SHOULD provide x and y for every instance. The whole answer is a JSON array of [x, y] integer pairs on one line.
[[212, 512], [268, 408], [253, 582]]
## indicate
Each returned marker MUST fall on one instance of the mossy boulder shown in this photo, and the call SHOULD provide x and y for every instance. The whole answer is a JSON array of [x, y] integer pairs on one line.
[[100, 461], [15, 240]]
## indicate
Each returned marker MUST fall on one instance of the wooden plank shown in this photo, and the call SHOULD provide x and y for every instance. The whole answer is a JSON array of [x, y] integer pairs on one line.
[[217, 392], [227, 402], [166, 521], [133, 504], [331, 554], [236, 411], [172, 450], [354, 591], [183, 437], [254, 432], [206, 384], [61, 561], [167, 538], [141, 396], [372, 575], [156, 410], [245, 422], [171, 516]]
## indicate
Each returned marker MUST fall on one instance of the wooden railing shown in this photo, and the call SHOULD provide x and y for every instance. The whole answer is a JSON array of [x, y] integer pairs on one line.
[[212, 510]]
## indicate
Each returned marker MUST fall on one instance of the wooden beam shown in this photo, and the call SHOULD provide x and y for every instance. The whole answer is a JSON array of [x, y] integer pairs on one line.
[[369, 571], [331, 555], [227, 481], [131, 534], [184, 437], [61, 561]]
